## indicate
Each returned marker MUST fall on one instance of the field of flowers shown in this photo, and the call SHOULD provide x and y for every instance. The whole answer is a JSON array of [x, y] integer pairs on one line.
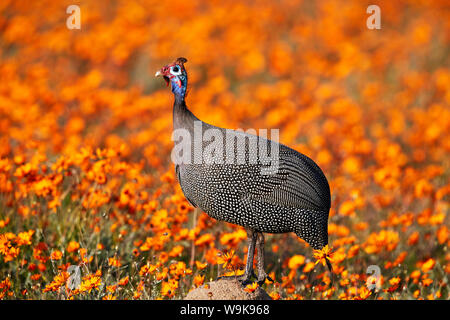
[[87, 186]]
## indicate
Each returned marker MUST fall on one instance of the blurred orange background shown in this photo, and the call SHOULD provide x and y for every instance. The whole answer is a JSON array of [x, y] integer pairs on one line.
[[85, 126]]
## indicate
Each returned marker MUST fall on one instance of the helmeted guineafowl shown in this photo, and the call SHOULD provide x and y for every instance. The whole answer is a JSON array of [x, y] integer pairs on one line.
[[291, 196]]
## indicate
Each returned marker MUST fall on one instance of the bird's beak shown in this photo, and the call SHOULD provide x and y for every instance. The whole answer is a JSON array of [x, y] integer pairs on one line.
[[160, 74]]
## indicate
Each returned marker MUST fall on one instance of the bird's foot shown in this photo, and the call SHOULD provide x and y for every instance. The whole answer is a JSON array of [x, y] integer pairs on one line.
[[262, 276], [244, 279]]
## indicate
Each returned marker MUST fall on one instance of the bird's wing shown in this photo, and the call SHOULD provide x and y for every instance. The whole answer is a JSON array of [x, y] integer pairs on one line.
[[298, 182], [177, 171]]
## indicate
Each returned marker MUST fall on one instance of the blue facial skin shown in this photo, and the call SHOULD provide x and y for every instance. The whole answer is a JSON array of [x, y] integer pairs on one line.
[[178, 91]]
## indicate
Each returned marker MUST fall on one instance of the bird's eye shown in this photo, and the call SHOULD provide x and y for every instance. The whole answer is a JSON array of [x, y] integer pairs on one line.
[[175, 70]]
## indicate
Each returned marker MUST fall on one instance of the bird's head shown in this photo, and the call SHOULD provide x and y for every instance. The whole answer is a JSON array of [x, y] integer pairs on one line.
[[175, 73]]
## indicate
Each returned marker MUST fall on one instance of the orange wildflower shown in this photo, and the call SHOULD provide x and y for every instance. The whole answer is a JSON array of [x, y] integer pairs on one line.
[[146, 270], [385, 239], [364, 293], [428, 265], [323, 256], [57, 282], [225, 259], [199, 280], [296, 261], [413, 238], [124, 281], [168, 288], [56, 255], [24, 238], [90, 282], [251, 287], [427, 282], [4, 223], [84, 257], [204, 240], [114, 262], [200, 265], [176, 251], [309, 267], [443, 234], [73, 246]]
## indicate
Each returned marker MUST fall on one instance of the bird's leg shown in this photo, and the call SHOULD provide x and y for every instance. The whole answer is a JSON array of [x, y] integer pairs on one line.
[[262, 275], [251, 240], [248, 273]]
